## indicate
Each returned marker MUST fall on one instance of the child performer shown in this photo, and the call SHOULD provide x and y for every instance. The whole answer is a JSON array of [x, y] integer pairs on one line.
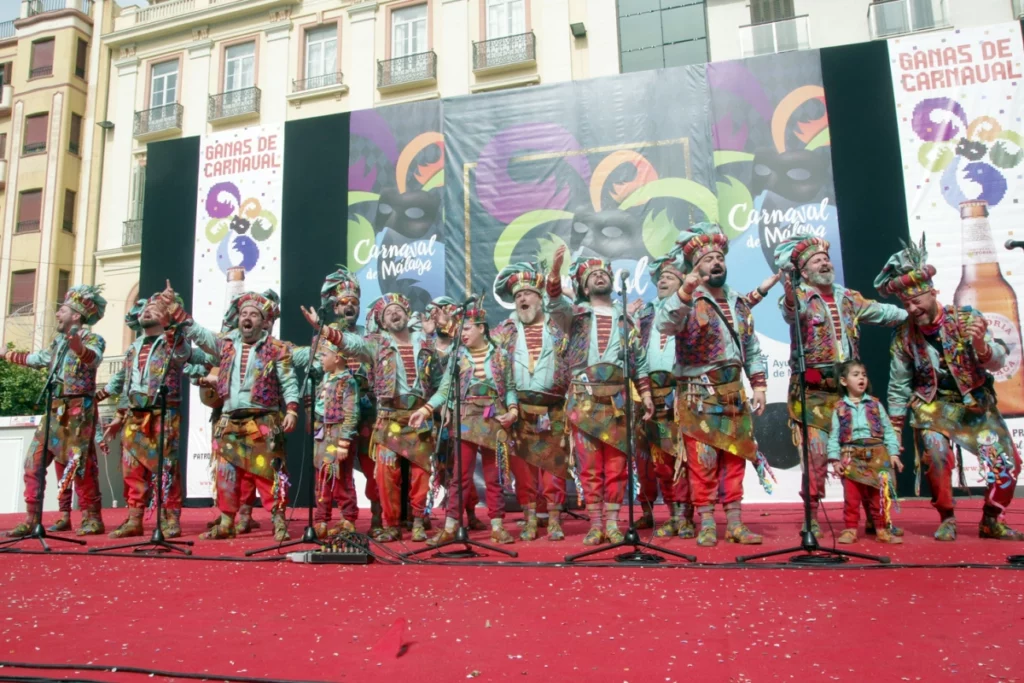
[[336, 422], [863, 449]]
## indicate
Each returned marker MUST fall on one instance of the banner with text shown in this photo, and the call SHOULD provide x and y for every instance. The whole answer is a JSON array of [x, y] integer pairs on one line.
[[774, 163], [237, 248], [959, 110], [395, 191]]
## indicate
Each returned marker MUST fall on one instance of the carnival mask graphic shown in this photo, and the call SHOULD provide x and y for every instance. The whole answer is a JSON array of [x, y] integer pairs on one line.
[[796, 175], [609, 234], [412, 214], [236, 226]]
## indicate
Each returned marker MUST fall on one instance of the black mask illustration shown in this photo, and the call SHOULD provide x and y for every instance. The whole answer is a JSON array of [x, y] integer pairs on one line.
[[797, 175], [239, 225], [611, 234], [411, 214]]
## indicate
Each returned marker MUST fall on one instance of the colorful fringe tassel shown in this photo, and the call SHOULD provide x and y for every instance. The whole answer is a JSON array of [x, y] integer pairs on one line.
[[764, 472]]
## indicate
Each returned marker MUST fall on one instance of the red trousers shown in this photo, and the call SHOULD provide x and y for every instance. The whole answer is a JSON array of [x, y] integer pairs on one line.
[[817, 451], [659, 469], [231, 482], [389, 486], [602, 469], [494, 495], [856, 495], [536, 485], [139, 481], [332, 489], [711, 469], [350, 508], [87, 486], [939, 460]]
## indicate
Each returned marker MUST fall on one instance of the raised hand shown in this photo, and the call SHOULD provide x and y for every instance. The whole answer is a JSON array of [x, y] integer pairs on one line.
[[975, 331], [556, 265], [635, 307], [311, 317], [691, 282]]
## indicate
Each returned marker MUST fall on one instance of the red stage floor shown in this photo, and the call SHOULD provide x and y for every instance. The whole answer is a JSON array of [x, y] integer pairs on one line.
[[281, 620]]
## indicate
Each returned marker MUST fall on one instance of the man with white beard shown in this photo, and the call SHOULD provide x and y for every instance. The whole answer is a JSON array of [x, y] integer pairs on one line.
[[830, 315], [537, 349]]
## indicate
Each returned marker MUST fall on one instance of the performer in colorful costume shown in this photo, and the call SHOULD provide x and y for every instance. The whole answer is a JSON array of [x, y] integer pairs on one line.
[[405, 372], [73, 415], [597, 404], [158, 353], [715, 344], [489, 409], [942, 360], [830, 318], [536, 348], [255, 381], [337, 411], [341, 293]]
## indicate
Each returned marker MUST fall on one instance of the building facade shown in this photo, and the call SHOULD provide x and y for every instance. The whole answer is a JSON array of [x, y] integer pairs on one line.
[[182, 68], [49, 68]]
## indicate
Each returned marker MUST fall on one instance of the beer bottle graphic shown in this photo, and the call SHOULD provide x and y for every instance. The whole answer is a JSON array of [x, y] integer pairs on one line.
[[983, 287], [235, 286]]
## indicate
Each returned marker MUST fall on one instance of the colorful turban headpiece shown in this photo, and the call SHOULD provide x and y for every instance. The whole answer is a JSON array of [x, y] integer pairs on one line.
[[475, 314], [441, 302], [907, 273], [131, 319], [341, 284], [265, 306], [275, 299], [378, 307], [325, 345], [87, 302], [700, 240], [582, 269], [673, 258], [798, 250], [517, 277]]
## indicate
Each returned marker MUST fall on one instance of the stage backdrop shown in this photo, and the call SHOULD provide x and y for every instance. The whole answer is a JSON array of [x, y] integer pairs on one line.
[[237, 248], [959, 110]]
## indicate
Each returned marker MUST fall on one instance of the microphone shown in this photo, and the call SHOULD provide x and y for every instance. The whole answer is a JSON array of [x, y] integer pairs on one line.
[[468, 302], [1014, 244]]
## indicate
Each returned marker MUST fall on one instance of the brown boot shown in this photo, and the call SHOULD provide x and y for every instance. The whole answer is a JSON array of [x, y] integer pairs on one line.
[[375, 520], [92, 524], [131, 526], [473, 522], [25, 528], [245, 522], [170, 525], [646, 520], [280, 527], [62, 524], [225, 528], [993, 527]]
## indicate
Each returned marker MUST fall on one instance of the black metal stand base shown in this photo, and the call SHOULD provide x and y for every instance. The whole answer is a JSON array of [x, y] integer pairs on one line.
[[632, 539], [157, 543], [575, 515], [309, 537], [813, 554], [1016, 560], [38, 533], [461, 538]]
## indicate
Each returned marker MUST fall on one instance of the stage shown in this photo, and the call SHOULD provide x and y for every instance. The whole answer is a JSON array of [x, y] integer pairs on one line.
[[939, 612]]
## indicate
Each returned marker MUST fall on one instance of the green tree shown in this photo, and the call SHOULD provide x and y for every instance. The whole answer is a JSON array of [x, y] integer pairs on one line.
[[19, 388]]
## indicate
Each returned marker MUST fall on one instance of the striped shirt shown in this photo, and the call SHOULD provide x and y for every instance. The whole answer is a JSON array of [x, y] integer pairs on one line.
[[726, 312], [244, 361], [405, 351], [534, 337], [837, 323], [144, 356], [479, 357], [604, 332]]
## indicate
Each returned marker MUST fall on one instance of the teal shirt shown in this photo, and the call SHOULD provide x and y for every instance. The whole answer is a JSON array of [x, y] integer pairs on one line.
[[542, 378], [441, 397], [661, 358], [368, 349], [140, 380], [240, 396], [562, 311], [302, 355], [861, 429], [43, 357]]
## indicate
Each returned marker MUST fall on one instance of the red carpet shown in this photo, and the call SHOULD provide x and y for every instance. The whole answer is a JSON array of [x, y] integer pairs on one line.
[[491, 623]]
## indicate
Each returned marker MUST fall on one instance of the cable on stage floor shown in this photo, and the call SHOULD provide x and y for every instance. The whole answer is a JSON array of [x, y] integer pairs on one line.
[[119, 669]]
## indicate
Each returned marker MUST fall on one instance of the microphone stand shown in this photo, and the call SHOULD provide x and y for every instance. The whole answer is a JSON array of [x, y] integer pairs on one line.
[[157, 543], [632, 537], [813, 553], [461, 534], [39, 531]]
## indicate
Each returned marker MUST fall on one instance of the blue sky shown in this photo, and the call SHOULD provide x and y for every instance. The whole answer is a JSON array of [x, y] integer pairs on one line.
[[9, 8]]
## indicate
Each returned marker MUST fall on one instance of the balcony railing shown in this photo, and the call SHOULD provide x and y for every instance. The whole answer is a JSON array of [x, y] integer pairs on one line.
[[775, 36], [7, 29], [889, 18], [233, 104], [43, 6], [316, 82], [1018, 9], [406, 70], [158, 120], [505, 51], [132, 233], [164, 10], [40, 71], [33, 148], [27, 226]]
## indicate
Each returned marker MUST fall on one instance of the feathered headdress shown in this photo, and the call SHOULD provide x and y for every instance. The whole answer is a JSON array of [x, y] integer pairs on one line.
[[516, 277], [341, 284], [907, 273], [87, 302], [700, 240], [582, 269], [797, 250]]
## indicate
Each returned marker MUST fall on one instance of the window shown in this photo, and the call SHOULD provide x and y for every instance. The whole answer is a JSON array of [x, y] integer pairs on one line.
[[654, 35], [69, 211], [762, 11], [163, 85], [76, 134], [42, 58], [409, 31], [35, 133], [3, 145], [505, 18], [137, 193], [5, 73], [80, 58], [770, 31], [30, 203], [240, 67], [63, 284], [321, 56], [23, 292]]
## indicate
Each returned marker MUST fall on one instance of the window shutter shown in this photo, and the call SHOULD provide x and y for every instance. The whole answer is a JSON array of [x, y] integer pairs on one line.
[[23, 290]]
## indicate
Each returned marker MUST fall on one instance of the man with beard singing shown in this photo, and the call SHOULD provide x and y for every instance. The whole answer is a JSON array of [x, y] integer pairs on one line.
[[597, 403], [536, 349], [715, 344], [829, 316], [406, 372], [255, 380]]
